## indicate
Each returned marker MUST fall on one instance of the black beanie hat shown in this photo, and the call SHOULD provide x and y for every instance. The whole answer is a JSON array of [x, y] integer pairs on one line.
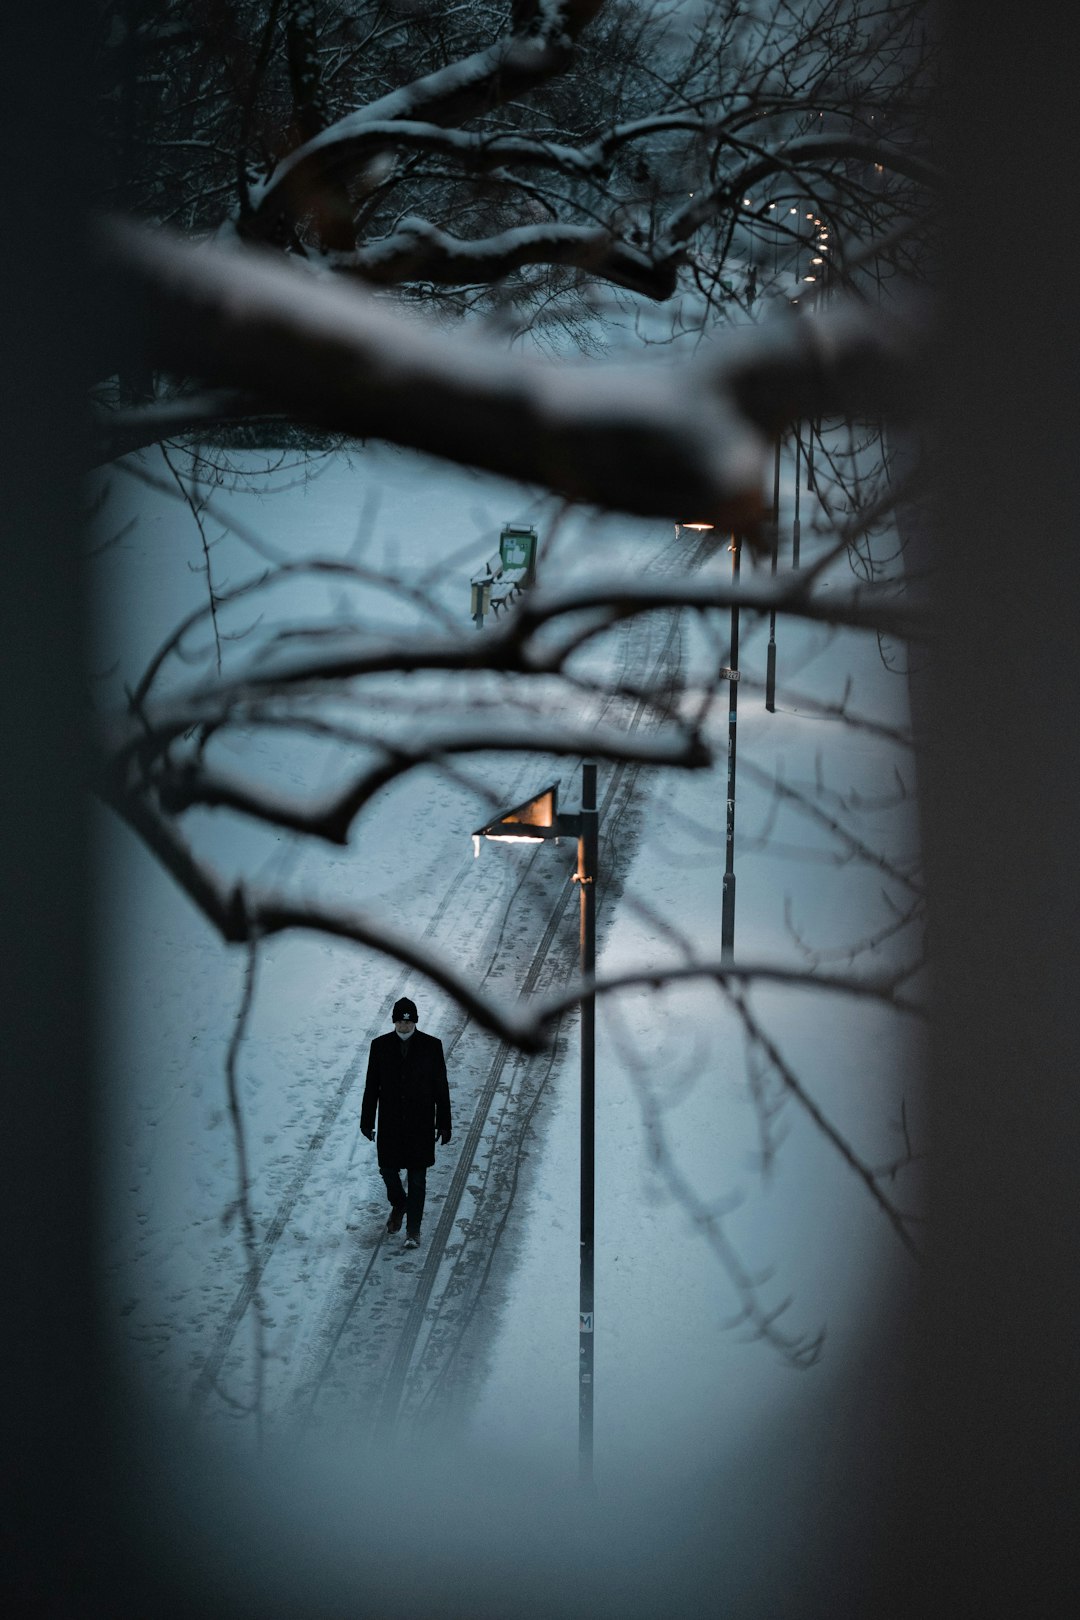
[[402, 1009]]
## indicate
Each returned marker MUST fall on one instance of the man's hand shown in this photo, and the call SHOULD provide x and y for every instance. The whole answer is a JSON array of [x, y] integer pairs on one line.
[[369, 1134], [445, 1137]]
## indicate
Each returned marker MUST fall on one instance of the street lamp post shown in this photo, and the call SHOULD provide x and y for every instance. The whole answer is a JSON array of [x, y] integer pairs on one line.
[[770, 664], [533, 822], [796, 534], [727, 914], [731, 675], [588, 851]]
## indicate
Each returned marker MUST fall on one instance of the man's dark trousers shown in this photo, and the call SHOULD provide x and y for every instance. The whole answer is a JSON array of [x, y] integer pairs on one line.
[[412, 1202]]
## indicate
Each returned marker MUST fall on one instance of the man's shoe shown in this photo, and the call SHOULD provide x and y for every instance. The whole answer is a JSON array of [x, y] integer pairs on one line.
[[412, 1240], [396, 1218]]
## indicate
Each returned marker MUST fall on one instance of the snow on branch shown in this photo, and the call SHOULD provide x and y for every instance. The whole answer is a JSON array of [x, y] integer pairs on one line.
[[349, 144], [119, 431], [351, 141], [540, 48], [420, 251], [642, 437]]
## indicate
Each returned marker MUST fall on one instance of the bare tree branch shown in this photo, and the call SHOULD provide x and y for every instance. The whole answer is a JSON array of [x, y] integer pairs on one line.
[[182, 786], [242, 1205], [238, 913], [800, 1350], [882, 988], [897, 1220], [856, 848], [787, 157], [284, 573], [333, 655]]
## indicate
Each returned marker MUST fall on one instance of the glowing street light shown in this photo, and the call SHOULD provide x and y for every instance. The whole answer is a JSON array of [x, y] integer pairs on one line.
[[533, 822]]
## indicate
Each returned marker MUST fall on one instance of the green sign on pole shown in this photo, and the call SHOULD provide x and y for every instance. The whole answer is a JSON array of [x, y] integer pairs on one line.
[[517, 548]]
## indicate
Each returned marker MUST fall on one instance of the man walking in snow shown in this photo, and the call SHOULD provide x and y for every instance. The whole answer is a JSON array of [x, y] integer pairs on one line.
[[406, 1087]]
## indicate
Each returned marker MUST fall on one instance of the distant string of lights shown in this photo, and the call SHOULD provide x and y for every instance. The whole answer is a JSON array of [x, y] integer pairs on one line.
[[810, 272], [819, 243]]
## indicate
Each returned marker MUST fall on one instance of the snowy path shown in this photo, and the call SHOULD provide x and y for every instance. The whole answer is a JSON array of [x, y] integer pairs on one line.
[[329, 1300], [386, 1369], [383, 1332], [473, 1338]]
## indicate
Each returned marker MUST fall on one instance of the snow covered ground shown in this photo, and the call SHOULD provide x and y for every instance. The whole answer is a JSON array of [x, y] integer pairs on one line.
[[682, 1399]]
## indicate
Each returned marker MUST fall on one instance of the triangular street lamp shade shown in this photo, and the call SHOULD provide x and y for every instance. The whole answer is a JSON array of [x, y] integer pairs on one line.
[[535, 819]]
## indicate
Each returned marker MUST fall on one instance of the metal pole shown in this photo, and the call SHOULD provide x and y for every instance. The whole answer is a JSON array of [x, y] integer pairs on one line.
[[770, 662], [588, 849], [727, 924], [796, 530]]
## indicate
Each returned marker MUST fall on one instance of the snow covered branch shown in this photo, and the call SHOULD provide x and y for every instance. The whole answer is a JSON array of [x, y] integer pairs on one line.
[[644, 438], [353, 140], [119, 432], [540, 47], [420, 251]]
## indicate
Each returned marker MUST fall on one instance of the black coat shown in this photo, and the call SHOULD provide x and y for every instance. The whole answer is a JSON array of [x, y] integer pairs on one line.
[[406, 1086]]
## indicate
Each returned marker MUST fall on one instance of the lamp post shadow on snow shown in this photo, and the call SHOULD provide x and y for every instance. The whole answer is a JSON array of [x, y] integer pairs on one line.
[[534, 821]]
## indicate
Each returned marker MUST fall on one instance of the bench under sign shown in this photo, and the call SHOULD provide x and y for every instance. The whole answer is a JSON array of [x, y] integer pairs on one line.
[[504, 576]]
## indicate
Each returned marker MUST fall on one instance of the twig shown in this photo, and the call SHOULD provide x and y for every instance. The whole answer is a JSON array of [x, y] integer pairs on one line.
[[243, 1200]]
